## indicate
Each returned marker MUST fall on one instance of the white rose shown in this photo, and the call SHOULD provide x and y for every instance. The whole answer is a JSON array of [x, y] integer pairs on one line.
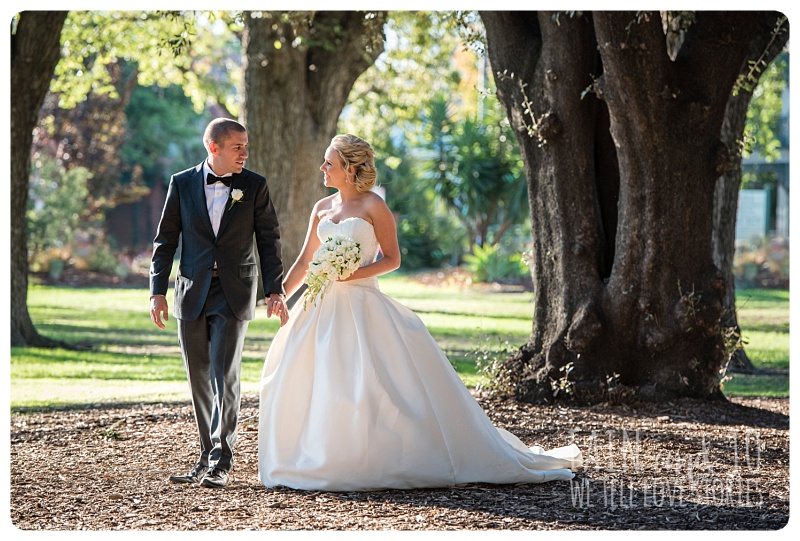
[[237, 194], [327, 269]]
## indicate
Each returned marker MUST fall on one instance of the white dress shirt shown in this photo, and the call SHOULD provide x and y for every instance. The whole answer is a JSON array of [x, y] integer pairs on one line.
[[216, 197]]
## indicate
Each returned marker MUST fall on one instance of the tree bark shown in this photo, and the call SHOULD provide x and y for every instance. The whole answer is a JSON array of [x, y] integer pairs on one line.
[[541, 94], [621, 184], [726, 203], [35, 51], [294, 96], [765, 48]]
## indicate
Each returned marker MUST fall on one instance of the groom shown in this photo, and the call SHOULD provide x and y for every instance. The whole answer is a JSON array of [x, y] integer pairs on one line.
[[215, 210]]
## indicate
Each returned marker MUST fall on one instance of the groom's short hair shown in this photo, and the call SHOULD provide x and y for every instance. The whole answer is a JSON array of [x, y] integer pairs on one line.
[[219, 129]]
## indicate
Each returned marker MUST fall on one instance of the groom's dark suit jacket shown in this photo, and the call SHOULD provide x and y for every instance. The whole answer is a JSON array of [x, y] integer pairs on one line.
[[186, 215]]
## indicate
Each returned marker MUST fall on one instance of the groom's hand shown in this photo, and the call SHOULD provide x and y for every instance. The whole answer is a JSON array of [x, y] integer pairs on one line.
[[159, 309], [276, 306]]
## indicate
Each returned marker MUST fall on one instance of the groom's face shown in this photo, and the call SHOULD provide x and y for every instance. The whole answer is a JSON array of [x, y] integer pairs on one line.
[[230, 154]]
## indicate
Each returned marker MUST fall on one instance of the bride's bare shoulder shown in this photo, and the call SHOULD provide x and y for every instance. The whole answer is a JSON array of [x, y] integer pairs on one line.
[[328, 202], [374, 200], [324, 205], [377, 209]]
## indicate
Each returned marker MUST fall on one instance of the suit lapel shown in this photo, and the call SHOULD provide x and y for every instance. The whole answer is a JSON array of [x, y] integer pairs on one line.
[[197, 190]]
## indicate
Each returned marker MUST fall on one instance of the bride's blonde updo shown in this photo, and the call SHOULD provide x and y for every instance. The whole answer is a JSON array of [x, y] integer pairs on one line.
[[356, 152]]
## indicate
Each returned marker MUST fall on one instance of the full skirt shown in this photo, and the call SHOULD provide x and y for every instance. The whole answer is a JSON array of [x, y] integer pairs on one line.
[[356, 395]]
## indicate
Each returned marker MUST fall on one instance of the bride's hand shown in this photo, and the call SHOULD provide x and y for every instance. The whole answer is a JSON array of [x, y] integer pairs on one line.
[[352, 276], [277, 307]]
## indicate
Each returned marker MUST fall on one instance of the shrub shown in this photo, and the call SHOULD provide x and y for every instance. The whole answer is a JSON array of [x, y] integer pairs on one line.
[[56, 203], [489, 264], [762, 263], [430, 241], [104, 261]]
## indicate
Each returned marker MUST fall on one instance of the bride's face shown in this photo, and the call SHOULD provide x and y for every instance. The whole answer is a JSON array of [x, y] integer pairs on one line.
[[332, 170]]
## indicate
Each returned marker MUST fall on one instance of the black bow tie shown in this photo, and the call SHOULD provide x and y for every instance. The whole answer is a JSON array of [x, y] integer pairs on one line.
[[211, 179]]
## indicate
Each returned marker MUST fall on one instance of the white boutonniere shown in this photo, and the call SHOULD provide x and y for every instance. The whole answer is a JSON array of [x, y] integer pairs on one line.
[[237, 196]]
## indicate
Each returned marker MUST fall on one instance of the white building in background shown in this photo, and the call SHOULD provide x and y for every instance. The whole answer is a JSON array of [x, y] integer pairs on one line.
[[765, 213]]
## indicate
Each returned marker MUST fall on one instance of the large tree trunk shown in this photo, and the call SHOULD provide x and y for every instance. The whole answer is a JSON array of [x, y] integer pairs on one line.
[[294, 96], [542, 91], [765, 48], [726, 203], [35, 50], [628, 299]]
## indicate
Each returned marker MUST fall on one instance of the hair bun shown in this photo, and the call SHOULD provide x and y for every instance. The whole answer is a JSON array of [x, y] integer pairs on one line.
[[357, 153]]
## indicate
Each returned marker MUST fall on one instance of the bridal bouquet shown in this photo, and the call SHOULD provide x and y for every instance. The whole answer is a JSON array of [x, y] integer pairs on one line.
[[337, 258]]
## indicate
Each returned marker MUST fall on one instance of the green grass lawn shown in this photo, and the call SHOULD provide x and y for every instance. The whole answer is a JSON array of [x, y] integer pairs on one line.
[[132, 360], [764, 319]]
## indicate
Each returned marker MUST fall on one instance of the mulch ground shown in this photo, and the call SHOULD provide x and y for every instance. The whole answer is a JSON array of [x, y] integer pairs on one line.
[[684, 465]]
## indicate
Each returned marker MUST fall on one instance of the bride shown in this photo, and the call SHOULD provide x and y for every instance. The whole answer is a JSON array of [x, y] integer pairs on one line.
[[355, 393]]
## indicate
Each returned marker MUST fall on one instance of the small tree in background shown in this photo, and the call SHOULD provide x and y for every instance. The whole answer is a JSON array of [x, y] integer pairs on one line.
[[56, 204]]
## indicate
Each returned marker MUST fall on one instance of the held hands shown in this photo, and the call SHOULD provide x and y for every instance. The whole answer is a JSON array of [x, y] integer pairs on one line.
[[277, 307], [159, 309]]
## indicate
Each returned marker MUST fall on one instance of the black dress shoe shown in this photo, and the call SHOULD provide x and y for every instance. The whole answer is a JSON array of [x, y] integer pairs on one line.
[[193, 477], [215, 478]]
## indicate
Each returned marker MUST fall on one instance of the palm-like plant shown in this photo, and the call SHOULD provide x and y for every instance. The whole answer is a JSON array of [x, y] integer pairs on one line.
[[475, 170]]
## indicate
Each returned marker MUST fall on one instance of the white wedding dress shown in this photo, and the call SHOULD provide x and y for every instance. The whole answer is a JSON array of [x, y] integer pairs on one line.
[[356, 395]]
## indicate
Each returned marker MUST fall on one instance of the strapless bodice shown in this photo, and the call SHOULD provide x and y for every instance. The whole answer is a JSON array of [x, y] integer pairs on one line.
[[356, 228]]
